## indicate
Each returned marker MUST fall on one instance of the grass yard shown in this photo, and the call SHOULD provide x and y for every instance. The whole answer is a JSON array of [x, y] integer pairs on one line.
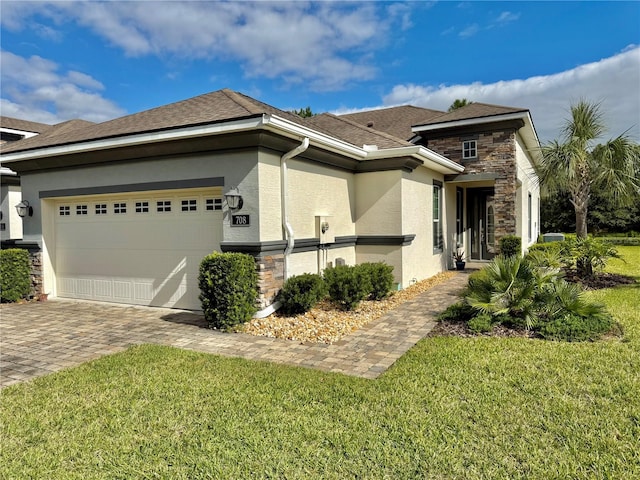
[[451, 408]]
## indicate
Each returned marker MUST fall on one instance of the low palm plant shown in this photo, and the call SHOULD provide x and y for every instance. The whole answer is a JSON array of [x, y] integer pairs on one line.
[[527, 291]]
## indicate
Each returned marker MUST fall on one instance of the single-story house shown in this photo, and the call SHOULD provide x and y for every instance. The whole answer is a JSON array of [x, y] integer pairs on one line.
[[124, 210]]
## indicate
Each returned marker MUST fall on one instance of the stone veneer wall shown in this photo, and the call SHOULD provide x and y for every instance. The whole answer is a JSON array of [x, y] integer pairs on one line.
[[496, 154], [270, 277]]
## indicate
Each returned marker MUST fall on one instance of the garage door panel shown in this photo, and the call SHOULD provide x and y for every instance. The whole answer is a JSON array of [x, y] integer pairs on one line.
[[144, 259]]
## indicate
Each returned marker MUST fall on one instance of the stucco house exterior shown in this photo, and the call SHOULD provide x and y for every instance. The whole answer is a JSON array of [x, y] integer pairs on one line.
[[498, 193], [125, 210]]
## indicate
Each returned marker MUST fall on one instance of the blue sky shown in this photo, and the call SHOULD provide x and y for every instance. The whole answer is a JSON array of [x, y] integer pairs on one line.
[[100, 60]]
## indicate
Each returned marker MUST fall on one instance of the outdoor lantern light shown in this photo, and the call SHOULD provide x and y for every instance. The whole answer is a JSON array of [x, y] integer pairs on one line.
[[234, 199], [24, 209]]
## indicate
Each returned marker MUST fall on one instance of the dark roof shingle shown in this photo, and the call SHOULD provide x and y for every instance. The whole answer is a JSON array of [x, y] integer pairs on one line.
[[353, 132], [472, 111], [396, 121], [218, 106], [23, 125]]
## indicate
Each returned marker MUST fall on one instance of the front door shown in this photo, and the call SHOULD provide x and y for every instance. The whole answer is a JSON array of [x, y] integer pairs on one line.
[[481, 208]]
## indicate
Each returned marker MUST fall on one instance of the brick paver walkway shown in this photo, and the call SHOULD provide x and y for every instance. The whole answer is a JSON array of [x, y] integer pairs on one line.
[[40, 338]]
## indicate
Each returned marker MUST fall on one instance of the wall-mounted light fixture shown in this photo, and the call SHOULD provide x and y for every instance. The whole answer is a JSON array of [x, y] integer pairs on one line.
[[24, 209], [234, 199]]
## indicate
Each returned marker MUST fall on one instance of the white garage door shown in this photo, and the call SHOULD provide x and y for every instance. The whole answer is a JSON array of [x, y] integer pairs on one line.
[[142, 248]]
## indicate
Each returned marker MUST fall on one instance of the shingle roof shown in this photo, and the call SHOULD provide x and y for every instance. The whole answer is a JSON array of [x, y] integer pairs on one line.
[[353, 132], [218, 106], [396, 121], [23, 125], [472, 111]]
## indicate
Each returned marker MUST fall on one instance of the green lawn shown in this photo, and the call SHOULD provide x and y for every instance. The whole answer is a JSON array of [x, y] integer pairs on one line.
[[450, 408]]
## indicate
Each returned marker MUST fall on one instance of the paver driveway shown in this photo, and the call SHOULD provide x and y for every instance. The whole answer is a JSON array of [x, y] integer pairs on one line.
[[40, 338]]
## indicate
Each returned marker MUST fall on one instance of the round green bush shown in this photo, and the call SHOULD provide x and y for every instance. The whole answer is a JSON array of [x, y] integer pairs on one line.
[[228, 288], [380, 278], [510, 245], [347, 285], [301, 293]]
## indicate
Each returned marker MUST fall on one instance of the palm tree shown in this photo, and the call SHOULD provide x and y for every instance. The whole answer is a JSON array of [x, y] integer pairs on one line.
[[578, 166]]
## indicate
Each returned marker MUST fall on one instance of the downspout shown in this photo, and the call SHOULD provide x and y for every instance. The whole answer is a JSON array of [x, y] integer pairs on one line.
[[286, 226], [283, 199]]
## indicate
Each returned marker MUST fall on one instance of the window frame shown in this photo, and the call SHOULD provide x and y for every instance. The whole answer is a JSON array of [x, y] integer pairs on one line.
[[437, 217], [469, 149]]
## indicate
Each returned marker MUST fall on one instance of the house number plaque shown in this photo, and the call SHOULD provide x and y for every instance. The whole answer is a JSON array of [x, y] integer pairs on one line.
[[240, 221]]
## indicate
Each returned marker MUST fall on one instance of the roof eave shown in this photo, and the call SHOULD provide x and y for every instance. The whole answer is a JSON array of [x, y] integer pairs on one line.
[[471, 121]]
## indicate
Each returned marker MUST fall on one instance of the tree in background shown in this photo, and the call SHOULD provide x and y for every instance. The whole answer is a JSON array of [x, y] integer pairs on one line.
[[304, 112], [579, 166], [459, 103]]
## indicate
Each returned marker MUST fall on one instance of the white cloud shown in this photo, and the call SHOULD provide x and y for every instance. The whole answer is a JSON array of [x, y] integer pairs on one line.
[[324, 45], [507, 17], [470, 31], [612, 81], [34, 89]]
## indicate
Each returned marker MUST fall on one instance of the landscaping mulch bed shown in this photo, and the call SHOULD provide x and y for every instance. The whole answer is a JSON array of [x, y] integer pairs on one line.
[[459, 329], [326, 323], [599, 280]]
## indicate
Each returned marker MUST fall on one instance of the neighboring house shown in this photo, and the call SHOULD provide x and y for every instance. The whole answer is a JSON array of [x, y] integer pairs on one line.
[[498, 193], [125, 210], [13, 130]]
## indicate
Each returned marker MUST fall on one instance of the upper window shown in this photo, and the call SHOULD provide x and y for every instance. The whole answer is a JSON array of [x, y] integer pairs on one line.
[[189, 205], [163, 206], [142, 207], [65, 210], [119, 208], [213, 204], [469, 149], [81, 210], [101, 208]]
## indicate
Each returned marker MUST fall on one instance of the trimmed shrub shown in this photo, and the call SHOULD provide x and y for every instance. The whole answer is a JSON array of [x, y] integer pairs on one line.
[[510, 245], [574, 328], [380, 278], [481, 324], [301, 293], [347, 285], [228, 285], [15, 274], [458, 312]]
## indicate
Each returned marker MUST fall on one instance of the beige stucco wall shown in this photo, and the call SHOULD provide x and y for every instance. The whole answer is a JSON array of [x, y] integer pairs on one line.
[[418, 259], [379, 203], [528, 184]]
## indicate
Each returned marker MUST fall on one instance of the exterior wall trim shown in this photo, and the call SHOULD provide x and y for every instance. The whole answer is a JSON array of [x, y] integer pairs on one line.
[[135, 187], [312, 244]]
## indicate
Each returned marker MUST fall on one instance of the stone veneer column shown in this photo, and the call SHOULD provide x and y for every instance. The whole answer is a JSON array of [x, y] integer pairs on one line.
[[270, 270], [35, 263]]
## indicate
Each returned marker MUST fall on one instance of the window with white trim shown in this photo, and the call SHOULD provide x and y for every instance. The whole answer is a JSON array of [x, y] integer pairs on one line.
[[469, 149], [190, 205], [142, 207], [120, 207], [64, 210], [213, 204], [82, 209], [101, 208], [438, 240], [163, 206]]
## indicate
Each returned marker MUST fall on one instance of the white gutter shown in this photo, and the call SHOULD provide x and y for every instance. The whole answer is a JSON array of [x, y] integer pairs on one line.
[[420, 152], [286, 226], [285, 204]]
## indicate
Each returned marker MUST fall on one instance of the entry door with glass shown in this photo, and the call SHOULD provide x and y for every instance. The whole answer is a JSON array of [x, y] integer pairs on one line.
[[481, 208]]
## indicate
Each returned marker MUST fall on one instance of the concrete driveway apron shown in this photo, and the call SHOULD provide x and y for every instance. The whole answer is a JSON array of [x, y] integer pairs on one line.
[[43, 337]]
